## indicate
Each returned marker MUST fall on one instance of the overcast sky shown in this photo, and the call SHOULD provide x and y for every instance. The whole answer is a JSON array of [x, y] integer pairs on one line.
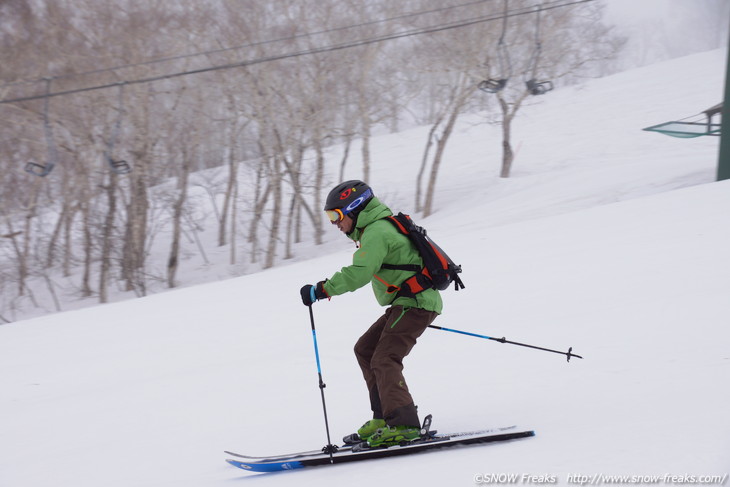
[[663, 29]]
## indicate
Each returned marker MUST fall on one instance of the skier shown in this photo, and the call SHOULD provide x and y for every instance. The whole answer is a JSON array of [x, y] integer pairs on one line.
[[357, 213]]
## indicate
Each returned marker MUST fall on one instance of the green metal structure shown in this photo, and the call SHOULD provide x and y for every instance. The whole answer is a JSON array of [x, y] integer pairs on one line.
[[696, 128], [686, 130], [723, 163]]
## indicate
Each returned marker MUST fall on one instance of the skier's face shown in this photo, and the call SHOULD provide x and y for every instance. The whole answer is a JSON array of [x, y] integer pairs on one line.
[[345, 225]]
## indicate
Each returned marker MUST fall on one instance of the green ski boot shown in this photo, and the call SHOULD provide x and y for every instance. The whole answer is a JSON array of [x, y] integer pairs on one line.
[[370, 428], [394, 435]]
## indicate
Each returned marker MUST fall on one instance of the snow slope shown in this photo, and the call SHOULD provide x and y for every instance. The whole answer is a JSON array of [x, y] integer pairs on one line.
[[608, 239]]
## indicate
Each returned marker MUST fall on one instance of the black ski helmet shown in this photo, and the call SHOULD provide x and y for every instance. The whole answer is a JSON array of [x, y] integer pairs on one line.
[[350, 196]]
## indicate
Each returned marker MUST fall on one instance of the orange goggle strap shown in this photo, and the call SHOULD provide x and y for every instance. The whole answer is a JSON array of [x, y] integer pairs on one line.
[[335, 215]]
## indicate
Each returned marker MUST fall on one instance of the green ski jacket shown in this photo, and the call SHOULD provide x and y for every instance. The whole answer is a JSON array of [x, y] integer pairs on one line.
[[381, 243]]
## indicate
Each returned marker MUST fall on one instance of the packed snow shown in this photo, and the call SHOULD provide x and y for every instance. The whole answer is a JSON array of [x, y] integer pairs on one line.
[[607, 239]]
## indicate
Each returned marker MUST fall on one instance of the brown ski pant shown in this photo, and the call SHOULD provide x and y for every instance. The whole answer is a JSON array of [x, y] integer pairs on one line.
[[380, 352]]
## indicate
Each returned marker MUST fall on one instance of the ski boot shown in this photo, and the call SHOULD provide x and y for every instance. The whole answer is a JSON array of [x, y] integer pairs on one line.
[[401, 435], [394, 435], [365, 432]]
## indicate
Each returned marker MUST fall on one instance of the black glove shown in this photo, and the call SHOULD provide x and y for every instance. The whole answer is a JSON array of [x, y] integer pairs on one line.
[[311, 293]]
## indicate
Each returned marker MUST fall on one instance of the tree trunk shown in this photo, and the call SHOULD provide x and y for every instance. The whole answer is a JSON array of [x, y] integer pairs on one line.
[[508, 114], [23, 251], [345, 155], [260, 199], [291, 228], [107, 239], [234, 221], [424, 162], [507, 153], [365, 146], [58, 227], [275, 178], [460, 94], [318, 181], [68, 240], [182, 188], [230, 188], [88, 248], [440, 147], [136, 231]]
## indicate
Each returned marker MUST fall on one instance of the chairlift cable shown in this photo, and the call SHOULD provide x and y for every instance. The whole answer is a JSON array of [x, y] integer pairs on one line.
[[253, 44], [316, 50]]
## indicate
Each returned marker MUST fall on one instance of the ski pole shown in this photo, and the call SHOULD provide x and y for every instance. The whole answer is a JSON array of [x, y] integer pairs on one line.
[[569, 353], [330, 448]]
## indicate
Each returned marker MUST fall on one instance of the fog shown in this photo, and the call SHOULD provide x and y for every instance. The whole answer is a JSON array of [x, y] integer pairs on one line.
[[658, 30]]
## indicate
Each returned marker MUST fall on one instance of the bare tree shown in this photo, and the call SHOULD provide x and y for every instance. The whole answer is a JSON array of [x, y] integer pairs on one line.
[[544, 49], [177, 213], [263, 127], [458, 97]]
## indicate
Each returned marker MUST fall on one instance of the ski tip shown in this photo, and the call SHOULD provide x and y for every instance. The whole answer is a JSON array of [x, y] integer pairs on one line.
[[265, 466]]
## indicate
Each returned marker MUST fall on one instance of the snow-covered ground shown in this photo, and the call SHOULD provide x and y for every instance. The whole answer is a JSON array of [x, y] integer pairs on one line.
[[608, 239]]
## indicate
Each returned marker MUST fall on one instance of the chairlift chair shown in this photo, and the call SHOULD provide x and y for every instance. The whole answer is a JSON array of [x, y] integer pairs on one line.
[[117, 166], [535, 87], [43, 170], [494, 85], [538, 87]]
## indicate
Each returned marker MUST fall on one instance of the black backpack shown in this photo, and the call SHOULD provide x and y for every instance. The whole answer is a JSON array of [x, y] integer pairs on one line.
[[438, 270]]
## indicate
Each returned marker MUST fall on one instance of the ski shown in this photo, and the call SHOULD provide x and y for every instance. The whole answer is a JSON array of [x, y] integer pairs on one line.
[[350, 442], [301, 454], [351, 453]]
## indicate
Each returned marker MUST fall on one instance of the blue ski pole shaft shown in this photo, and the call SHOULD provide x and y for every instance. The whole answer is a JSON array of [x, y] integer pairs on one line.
[[329, 448], [569, 353]]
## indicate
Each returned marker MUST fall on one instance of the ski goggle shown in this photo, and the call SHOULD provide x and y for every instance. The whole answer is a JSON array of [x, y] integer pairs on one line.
[[337, 214]]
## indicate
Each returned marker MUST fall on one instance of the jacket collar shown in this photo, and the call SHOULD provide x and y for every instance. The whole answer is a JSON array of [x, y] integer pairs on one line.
[[373, 211]]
